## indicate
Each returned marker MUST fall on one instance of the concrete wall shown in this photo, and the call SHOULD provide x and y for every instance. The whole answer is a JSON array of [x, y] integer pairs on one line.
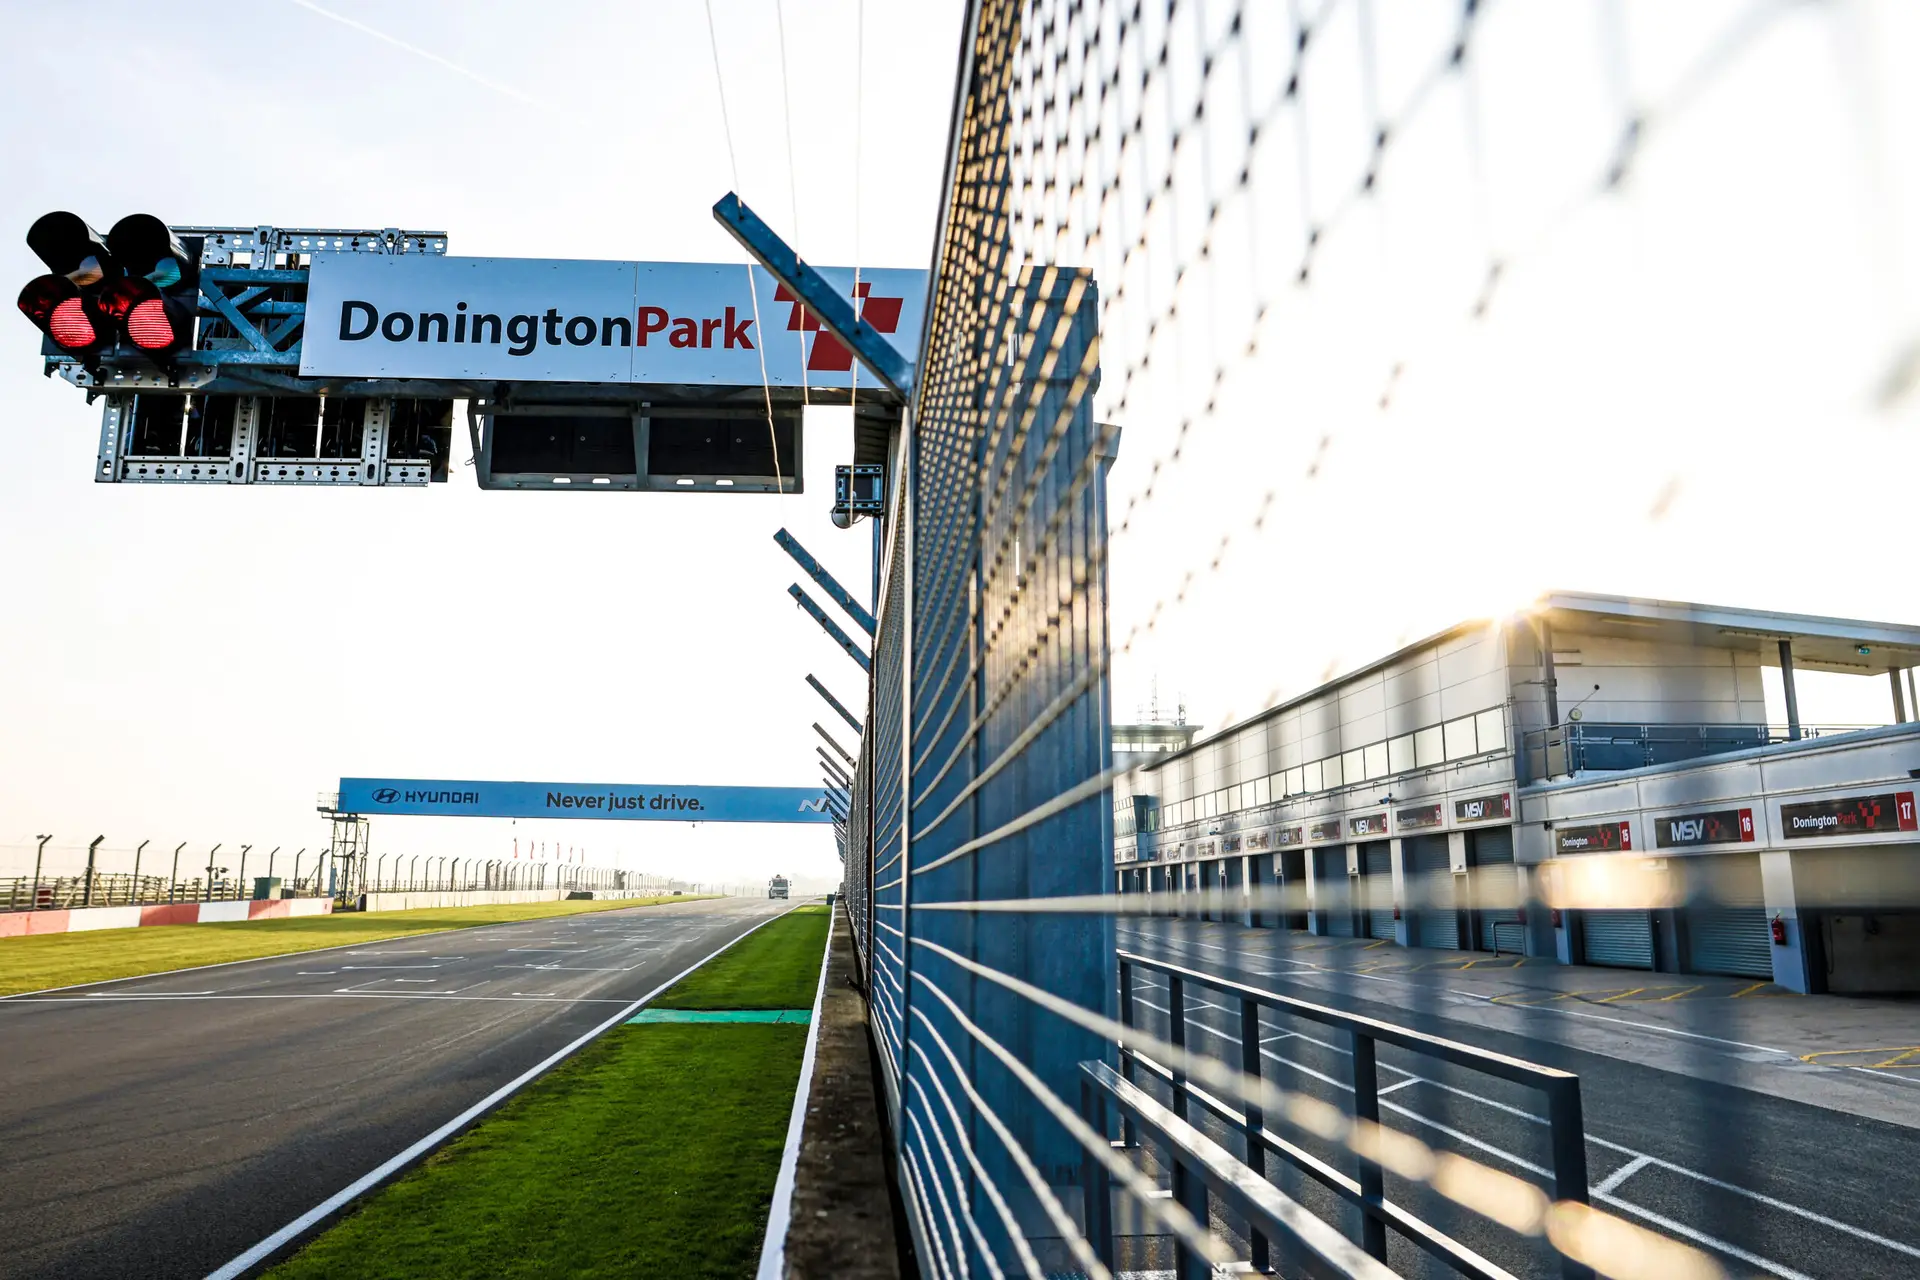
[[15, 924]]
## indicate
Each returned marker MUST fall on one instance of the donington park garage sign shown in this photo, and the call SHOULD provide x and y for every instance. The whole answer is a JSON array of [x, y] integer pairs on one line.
[[549, 320]]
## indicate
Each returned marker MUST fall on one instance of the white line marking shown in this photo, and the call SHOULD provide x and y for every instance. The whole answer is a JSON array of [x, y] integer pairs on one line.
[[99, 995], [1381, 1093], [1620, 1175], [313, 973], [773, 1248], [286, 1235], [373, 967], [1701, 1237]]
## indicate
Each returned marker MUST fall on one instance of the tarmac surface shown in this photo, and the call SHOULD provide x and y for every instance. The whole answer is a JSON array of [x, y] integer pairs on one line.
[[1715, 1112], [160, 1126]]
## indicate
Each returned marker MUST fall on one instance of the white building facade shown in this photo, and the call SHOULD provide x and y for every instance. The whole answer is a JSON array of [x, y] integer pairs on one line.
[[1593, 779]]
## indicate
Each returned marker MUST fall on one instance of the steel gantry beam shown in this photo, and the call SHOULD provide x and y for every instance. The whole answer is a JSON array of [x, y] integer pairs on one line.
[[835, 704], [833, 311], [831, 627], [815, 570]]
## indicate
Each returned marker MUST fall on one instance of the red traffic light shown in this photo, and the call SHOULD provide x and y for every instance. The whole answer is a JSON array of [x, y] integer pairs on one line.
[[56, 308], [154, 322]]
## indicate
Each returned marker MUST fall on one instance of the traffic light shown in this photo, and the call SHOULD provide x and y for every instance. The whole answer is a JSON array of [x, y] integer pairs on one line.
[[62, 304], [139, 280]]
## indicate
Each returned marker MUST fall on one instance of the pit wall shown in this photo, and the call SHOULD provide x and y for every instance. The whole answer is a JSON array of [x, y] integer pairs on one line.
[[15, 924]]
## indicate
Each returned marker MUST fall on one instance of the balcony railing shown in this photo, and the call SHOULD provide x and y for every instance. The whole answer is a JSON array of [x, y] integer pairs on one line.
[[1586, 747]]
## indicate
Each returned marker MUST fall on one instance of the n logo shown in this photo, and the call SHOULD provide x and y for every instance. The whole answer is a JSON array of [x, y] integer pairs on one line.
[[814, 806], [827, 354]]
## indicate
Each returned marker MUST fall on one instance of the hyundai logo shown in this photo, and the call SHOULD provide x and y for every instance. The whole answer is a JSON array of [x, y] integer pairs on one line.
[[385, 795]]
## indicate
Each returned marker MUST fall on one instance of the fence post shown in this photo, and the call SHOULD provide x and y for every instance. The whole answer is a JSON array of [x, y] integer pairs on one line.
[[1567, 1127], [1366, 1108], [1097, 1195], [33, 904], [136, 868], [241, 879], [86, 890], [210, 854], [1127, 1019], [1254, 1120], [173, 880]]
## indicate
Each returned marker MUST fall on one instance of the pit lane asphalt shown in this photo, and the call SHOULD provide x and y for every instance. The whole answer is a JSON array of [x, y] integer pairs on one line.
[[162, 1125], [1769, 1186]]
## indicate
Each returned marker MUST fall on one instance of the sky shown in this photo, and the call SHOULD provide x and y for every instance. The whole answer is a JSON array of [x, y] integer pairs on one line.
[[199, 664], [1699, 383]]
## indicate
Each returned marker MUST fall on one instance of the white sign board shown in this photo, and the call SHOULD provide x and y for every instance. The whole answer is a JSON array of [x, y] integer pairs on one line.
[[541, 320]]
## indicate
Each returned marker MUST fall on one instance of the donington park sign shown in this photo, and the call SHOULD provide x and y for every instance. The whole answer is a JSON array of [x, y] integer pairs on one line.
[[540, 320]]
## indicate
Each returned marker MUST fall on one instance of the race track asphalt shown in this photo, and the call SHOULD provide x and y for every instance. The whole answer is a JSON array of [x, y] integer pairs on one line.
[[158, 1127]]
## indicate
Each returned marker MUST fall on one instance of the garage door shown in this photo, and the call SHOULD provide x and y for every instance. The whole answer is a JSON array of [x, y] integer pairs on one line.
[[1377, 858], [1331, 894], [1622, 939], [1496, 887], [1430, 873], [1726, 920]]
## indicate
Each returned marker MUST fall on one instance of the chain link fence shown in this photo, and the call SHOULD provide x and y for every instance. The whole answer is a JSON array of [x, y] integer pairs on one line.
[[1264, 339]]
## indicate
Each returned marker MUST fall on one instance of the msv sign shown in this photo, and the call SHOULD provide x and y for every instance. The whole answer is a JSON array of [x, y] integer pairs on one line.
[[550, 320], [434, 798]]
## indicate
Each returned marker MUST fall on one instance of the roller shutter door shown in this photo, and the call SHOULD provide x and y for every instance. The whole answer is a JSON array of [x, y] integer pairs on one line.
[[1378, 860], [1331, 894], [1728, 933], [1430, 868], [1621, 939], [1496, 886]]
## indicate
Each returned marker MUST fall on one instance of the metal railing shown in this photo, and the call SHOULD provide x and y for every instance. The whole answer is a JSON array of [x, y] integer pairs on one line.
[[1364, 1188], [1594, 747]]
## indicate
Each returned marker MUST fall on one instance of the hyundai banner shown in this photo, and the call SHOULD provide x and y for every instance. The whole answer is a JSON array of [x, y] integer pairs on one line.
[[373, 315], [437, 798]]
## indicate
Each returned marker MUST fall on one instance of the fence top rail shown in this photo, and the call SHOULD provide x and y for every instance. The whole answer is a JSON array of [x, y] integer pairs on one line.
[[1519, 1070], [1227, 1177]]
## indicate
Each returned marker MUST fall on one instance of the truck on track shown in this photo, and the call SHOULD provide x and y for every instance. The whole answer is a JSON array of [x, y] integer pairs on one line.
[[777, 887]]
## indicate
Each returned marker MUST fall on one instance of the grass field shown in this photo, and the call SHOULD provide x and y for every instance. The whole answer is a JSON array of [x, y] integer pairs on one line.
[[777, 967], [653, 1152], [68, 959]]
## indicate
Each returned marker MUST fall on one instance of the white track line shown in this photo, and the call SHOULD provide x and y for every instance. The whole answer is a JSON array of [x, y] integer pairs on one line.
[[368, 1181], [773, 1248]]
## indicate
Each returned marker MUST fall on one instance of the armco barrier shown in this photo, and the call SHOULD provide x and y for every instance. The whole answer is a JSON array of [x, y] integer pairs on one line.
[[16, 924]]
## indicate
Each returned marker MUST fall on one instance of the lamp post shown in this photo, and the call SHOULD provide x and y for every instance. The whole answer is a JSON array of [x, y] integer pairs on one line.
[[135, 895], [173, 880], [296, 871], [210, 854], [413, 868], [241, 878]]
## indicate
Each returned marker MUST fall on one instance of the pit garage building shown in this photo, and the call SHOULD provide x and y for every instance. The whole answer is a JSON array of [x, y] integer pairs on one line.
[[1463, 792]]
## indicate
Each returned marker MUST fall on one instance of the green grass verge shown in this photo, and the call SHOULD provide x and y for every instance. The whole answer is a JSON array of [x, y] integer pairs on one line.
[[776, 967], [69, 959], [652, 1152]]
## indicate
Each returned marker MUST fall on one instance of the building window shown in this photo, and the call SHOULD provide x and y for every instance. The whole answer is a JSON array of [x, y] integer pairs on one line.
[[1400, 754], [1490, 727], [1459, 735], [1263, 791], [1376, 761], [1313, 776], [1428, 747]]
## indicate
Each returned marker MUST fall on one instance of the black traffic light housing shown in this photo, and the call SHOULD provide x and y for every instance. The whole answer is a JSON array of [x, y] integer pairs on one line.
[[139, 281]]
